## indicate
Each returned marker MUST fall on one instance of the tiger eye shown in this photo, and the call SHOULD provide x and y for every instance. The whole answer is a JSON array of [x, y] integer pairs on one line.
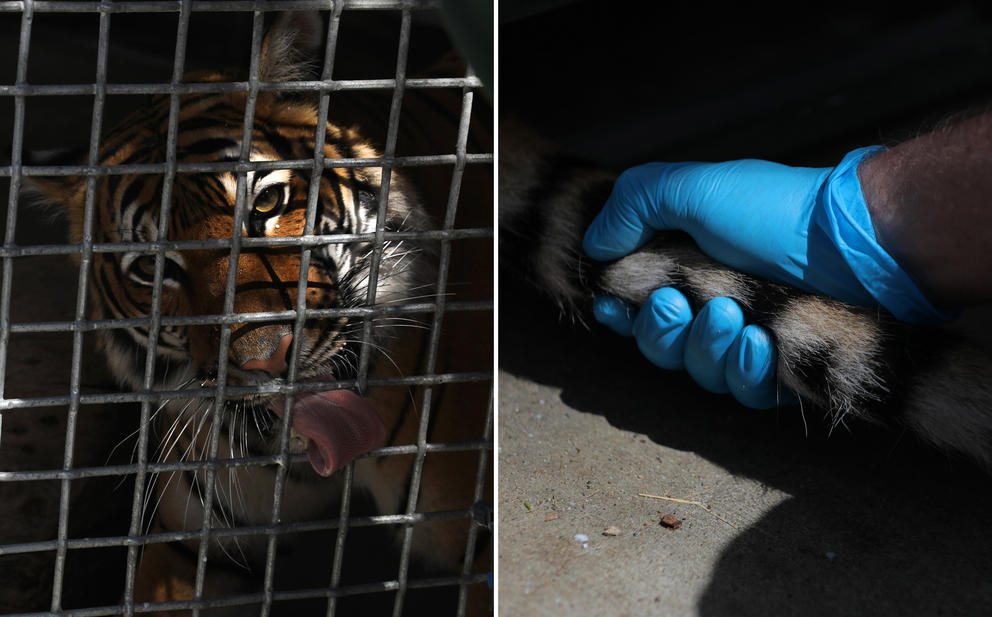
[[268, 200]]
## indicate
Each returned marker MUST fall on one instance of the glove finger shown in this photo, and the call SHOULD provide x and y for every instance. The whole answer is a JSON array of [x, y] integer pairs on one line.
[[713, 332], [751, 364], [615, 314], [662, 327], [629, 217]]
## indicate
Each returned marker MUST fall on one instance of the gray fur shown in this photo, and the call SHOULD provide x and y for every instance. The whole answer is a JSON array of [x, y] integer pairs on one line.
[[804, 326], [638, 275], [952, 407]]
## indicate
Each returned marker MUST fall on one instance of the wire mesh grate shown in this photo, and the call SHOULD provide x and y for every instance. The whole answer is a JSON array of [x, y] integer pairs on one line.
[[49, 550]]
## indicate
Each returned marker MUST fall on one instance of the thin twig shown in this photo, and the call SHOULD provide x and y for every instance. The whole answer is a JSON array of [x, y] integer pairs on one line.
[[699, 504]]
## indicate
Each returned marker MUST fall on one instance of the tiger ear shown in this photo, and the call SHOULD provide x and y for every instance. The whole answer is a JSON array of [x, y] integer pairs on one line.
[[290, 49], [63, 192]]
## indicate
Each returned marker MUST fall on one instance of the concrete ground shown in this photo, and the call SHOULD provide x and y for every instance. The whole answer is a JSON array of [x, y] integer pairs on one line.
[[778, 518]]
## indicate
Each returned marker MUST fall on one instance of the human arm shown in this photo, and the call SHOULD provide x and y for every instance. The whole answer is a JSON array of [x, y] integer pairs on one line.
[[930, 201], [827, 231]]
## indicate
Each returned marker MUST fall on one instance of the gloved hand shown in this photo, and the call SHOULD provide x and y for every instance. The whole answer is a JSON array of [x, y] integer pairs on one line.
[[809, 228], [718, 350]]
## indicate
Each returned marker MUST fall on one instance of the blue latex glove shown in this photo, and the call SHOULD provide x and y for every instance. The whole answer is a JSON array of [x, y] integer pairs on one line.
[[717, 349], [804, 227]]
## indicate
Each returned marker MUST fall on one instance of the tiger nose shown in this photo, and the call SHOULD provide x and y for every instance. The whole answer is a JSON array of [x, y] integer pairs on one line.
[[275, 364]]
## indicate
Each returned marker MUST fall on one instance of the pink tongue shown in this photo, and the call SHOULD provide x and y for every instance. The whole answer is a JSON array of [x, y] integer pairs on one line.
[[340, 424]]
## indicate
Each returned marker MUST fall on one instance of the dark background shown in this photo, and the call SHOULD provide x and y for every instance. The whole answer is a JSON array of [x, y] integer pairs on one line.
[[625, 83]]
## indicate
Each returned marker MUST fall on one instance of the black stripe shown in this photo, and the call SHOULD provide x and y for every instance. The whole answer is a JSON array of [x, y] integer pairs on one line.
[[909, 354], [203, 119], [139, 306], [278, 284], [131, 348], [130, 194], [142, 209], [209, 145], [122, 339], [282, 146], [526, 229], [274, 277], [335, 182], [108, 296]]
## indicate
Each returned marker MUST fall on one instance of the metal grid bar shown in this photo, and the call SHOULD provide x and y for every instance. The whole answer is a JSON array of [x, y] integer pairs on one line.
[[302, 283], [160, 395], [256, 598], [392, 132], [199, 320], [254, 461], [89, 208], [213, 6], [17, 152], [220, 87], [234, 258], [140, 489], [480, 487], [344, 511], [442, 281], [239, 532], [81, 325], [38, 250], [160, 168]]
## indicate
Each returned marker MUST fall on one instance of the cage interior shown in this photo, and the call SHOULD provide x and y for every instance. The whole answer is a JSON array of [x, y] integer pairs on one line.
[[80, 454]]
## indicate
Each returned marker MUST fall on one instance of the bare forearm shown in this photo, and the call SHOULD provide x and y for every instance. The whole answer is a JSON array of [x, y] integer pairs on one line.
[[929, 200]]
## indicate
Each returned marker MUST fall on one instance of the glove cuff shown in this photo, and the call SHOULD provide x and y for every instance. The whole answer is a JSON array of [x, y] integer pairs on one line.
[[845, 219]]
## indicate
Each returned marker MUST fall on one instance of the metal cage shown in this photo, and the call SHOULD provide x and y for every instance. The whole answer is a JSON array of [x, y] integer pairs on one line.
[[41, 558]]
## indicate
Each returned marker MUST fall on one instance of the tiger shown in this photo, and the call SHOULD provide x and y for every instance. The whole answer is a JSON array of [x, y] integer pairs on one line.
[[333, 427], [853, 363]]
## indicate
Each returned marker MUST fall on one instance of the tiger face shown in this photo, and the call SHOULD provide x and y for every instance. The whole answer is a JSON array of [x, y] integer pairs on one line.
[[340, 241], [270, 202]]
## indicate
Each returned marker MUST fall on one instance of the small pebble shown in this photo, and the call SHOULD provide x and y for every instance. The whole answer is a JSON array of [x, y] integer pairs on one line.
[[612, 530], [671, 521]]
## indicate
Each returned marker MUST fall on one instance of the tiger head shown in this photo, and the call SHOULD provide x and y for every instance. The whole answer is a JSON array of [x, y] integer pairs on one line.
[[201, 205]]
